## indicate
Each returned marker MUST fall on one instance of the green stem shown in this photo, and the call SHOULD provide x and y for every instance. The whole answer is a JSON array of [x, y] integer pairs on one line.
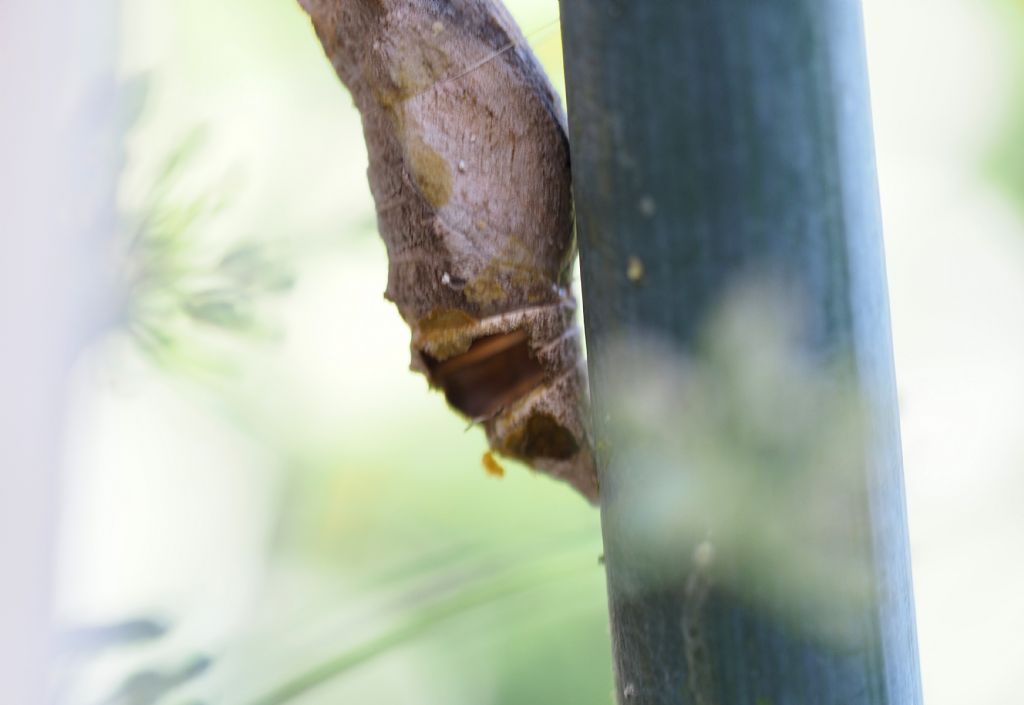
[[713, 140]]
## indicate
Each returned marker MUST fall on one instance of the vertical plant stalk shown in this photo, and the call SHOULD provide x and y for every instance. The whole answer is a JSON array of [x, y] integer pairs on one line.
[[712, 140]]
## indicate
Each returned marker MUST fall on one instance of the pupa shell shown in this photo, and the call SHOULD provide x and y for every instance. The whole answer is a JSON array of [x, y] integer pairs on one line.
[[469, 168]]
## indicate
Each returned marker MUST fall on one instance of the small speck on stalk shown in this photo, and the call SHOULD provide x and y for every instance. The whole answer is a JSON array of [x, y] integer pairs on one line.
[[647, 207], [635, 269]]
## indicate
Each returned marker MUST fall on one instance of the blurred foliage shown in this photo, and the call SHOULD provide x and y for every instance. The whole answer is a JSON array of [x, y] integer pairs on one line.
[[1006, 158], [177, 284], [742, 463], [456, 593]]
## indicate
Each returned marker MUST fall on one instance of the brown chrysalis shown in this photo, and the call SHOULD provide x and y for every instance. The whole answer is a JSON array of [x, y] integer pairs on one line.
[[469, 168]]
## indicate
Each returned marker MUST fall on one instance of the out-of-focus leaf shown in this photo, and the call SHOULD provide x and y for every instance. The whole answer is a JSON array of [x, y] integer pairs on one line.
[[219, 308], [179, 289], [747, 455], [149, 686], [1006, 157], [257, 268], [103, 636]]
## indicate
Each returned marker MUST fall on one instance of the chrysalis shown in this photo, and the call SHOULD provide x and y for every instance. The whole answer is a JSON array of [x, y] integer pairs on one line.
[[469, 168]]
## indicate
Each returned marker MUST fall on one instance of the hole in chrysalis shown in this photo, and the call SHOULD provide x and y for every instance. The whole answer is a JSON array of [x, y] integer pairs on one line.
[[495, 371]]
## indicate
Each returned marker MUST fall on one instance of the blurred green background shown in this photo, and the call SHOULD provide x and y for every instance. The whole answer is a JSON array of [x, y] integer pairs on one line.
[[253, 467]]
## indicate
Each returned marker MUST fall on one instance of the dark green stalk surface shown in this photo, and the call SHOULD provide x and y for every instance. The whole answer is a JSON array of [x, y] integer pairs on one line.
[[713, 140]]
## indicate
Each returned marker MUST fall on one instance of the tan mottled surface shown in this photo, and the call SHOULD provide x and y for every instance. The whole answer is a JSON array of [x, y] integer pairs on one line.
[[469, 167]]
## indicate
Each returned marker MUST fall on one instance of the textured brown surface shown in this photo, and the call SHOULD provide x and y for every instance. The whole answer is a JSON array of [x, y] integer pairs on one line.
[[469, 167]]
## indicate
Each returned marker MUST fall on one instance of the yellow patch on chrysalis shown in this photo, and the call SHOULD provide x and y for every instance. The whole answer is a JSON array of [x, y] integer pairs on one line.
[[413, 70], [430, 171], [513, 269], [491, 466], [444, 333], [485, 289], [445, 319]]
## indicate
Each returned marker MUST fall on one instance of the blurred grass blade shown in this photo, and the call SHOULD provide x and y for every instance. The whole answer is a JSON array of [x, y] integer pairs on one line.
[[526, 578]]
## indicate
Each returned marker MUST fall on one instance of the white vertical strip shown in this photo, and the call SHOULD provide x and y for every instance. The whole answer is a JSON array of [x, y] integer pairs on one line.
[[58, 167]]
